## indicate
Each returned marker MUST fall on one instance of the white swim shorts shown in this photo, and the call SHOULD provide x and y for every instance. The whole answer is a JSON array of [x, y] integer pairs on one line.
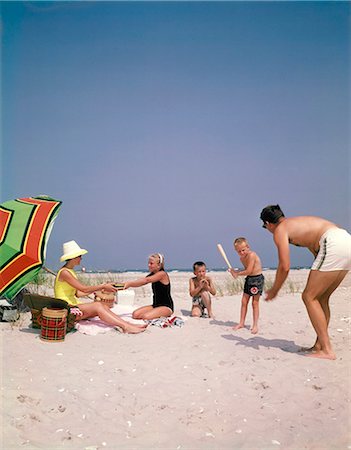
[[334, 251]]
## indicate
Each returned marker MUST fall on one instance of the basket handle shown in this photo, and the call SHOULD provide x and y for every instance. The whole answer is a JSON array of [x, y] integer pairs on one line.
[[39, 318]]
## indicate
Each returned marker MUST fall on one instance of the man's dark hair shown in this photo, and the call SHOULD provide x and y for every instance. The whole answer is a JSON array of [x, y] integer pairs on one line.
[[271, 214], [198, 264]]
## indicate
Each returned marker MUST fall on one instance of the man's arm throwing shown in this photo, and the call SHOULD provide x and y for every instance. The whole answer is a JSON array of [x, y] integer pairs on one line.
[[281, 240]]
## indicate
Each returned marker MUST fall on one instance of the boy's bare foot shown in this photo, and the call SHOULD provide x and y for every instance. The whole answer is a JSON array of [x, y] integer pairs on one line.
[[254, 330], [322, 355], [237, 327]]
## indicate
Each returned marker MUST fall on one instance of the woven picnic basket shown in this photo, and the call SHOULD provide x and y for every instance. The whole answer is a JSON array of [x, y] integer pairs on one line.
[[107, 298], [53, 323]]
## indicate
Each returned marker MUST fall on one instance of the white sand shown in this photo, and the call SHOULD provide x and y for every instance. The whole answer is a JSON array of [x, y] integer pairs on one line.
[[202, 386]]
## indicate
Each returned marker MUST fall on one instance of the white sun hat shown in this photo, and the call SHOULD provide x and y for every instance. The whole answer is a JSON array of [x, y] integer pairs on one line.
[[71, 250]]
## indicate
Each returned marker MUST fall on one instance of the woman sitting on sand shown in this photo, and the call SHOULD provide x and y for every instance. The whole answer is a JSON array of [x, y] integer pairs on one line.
[[162, 305], [67, 287]]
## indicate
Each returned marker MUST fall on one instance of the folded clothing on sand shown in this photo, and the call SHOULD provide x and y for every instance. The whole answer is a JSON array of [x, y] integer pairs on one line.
[[165, 322]]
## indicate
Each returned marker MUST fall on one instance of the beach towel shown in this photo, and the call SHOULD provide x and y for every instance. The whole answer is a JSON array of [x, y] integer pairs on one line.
[[96, 326]]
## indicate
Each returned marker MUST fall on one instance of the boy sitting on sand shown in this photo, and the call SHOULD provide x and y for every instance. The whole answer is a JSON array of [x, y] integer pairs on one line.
[[200, 288], [254, 281]]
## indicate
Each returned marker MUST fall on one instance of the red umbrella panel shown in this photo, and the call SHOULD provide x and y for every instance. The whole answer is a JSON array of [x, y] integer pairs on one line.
[[25, 226]]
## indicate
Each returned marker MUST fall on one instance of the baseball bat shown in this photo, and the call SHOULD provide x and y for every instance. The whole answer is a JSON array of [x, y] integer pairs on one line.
[[222, 252]]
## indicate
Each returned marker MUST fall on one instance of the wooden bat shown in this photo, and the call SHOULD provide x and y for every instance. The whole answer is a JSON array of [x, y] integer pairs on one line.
[[222, 252]]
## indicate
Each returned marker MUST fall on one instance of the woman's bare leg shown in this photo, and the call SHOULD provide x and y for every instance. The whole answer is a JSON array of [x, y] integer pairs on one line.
[[139, 313], [107, 316], [149, 312]]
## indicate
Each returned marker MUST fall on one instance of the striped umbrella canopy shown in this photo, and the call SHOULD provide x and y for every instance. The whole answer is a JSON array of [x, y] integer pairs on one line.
[[25, 227]]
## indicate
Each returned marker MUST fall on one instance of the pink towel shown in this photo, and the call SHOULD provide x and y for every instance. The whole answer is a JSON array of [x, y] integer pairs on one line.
[[96, 326]]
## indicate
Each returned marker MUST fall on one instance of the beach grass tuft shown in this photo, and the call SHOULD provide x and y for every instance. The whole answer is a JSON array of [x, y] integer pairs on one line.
[[226, 285]]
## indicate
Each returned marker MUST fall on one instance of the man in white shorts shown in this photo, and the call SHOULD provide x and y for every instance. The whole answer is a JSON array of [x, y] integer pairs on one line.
[[331, 247]]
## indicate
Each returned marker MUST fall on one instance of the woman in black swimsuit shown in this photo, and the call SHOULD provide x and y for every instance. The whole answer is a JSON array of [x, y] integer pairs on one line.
[[162, 305]]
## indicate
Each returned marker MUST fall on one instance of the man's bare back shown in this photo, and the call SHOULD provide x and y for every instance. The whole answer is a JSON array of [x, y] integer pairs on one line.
[[303, 231]]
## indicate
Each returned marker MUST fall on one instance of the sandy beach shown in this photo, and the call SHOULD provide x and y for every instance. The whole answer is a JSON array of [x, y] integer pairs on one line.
[[200, 386]]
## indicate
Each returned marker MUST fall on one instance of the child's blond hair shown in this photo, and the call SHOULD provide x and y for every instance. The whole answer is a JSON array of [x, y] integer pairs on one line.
[[240, 240], [160, 258]]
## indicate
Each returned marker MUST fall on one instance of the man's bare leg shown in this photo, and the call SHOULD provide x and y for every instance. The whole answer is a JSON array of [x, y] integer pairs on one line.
[[319, 287], [324, 301]]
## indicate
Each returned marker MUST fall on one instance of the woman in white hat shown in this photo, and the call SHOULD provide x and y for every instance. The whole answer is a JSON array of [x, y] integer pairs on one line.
[[69, 288]]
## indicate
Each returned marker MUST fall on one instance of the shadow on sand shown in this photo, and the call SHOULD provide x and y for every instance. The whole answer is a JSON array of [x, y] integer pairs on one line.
[[257, 341], [228, 323], [30, 330]]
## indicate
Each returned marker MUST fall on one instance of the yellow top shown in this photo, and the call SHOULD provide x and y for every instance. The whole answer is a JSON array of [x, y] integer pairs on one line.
[[64, 290]]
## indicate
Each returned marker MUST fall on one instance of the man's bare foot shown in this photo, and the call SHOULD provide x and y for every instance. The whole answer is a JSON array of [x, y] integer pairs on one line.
[[237, 327], [134, 329], [254, 330], [308, 349], [322, 355], [315, 348], [305, 349]]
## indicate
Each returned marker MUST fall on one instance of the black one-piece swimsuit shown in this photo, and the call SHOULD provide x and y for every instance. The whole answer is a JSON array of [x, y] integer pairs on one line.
[[162, 295]]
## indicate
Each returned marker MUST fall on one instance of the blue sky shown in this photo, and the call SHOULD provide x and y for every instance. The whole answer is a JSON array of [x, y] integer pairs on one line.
[[168, 126]]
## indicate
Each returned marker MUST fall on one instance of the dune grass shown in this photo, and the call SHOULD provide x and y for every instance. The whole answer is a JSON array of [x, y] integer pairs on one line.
[[44, 283]]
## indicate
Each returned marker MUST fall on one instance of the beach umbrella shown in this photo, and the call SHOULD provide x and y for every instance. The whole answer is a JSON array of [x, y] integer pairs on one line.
[[25, 227]]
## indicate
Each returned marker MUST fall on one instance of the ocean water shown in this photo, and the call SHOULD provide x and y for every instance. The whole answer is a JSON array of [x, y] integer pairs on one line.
[[176, 270]]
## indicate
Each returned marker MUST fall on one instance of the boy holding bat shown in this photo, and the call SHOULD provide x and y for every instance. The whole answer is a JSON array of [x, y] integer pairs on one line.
[[254, 281]]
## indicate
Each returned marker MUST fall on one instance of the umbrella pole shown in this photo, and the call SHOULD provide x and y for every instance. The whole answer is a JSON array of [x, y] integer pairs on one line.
[[49, 271]]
